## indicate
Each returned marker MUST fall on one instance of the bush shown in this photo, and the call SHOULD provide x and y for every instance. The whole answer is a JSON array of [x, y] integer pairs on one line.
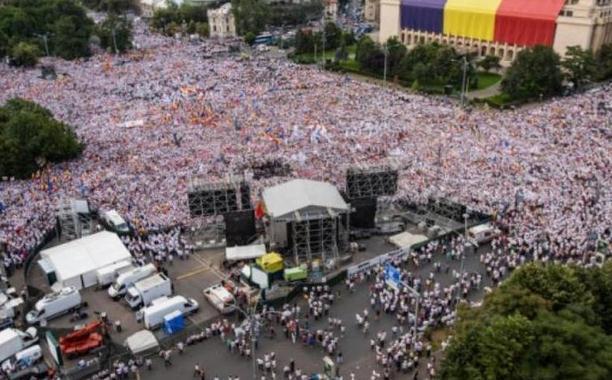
[[30, 136], [24, 54], [249, 38]]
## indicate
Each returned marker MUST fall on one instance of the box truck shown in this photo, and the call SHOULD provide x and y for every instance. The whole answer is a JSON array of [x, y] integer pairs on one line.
[[55, 304], [153, 316], [108, 274], [127, 279], [12, 341], [145, 291]]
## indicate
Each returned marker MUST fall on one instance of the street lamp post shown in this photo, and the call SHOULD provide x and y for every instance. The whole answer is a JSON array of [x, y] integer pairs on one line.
[[465, 245], [464, 81], [251, 320], [386, 53], [45, 38], [113, 32]]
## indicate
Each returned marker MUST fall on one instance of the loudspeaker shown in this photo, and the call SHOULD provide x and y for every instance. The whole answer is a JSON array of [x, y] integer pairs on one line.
[[364, 214], [239, 227]]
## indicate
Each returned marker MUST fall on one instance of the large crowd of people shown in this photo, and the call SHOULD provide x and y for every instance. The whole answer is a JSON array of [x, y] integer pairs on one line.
[[163, 114]]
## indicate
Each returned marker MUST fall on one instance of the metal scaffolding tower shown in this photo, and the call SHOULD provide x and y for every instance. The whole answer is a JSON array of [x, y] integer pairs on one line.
[[216, 198], [74, 218], [318, 236], [371, 182]]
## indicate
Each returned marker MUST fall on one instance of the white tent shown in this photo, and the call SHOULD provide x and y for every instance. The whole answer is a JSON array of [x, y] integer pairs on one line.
[[407, 239], [245, 252], [141, 341], [75, 263]]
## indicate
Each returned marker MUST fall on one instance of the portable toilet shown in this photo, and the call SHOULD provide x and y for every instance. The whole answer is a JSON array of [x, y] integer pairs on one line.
[[271, 262], [296, 273], [174, 322]]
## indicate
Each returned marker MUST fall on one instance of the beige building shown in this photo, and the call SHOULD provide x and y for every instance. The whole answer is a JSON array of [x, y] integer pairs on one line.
[[371, 11], [148, 7], [331, 10], [586, 23], [221, 21]]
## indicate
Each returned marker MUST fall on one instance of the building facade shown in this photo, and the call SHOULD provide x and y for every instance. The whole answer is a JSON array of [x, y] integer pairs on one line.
[[371, 11], [498, 27], [221, 22]]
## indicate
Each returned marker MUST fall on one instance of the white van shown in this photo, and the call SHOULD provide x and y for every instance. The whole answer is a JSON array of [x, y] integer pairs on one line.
[[55, 304], [13, 340], [108, 274], [220, 298], [482, 233], [115, 222], [153, 316], [127, 279]]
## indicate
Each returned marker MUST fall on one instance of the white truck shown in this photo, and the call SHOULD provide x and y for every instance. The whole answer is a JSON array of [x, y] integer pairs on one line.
[[12, 341], [55, 304], [108, 274], [127, 279], [220, 298], [153, 316], [145, 291]]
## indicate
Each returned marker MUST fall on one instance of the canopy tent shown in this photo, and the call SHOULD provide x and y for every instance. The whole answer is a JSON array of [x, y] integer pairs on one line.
[[471, 18], [245, 252], [423, 15], [407, 239], [141, 341], [75, 263], [527, 22]]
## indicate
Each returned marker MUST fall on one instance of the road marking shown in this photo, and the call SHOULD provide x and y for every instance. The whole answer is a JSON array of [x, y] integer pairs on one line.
[[193, 273], [216, 271]]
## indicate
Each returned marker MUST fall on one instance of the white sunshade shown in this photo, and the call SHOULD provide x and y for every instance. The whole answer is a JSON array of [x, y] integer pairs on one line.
[[407, 240], [245, 252], [88, 254], [298, 194], [140, 341]]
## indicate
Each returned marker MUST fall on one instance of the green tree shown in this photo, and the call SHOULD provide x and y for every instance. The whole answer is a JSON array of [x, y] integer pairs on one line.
[[121, 27], [4, 45], [304, 41], [544, 322], [250, 16], [71, 37], [370, 55], [489, 62], [333, 36], [111, 6], [201, 29], [604, 62], [534, 73], [579, 65], [28, 135], [395, 53], [24, 54]]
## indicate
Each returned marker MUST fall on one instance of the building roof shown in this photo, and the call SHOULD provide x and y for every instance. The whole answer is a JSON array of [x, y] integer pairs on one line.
[[299, 194], [225, 9], [86, 254]]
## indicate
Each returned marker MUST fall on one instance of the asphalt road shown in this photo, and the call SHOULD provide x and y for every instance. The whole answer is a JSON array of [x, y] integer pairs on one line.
[[214, 357]]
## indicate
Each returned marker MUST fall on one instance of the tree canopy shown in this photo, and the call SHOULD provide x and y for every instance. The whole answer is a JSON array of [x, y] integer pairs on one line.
[[185, 19], [544, 322], [534, 73], [115, 32], [63, 23], [30, 137]]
